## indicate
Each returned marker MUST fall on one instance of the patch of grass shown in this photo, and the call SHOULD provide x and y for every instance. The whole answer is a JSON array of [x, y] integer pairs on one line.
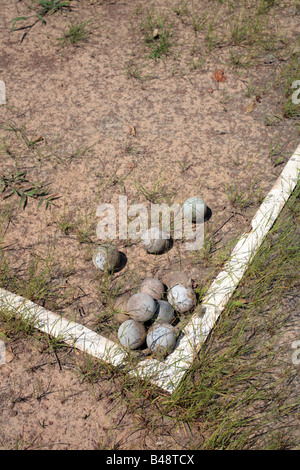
[[157, 34], [238, 390], [188, 14], [82, 226], [196, 64], [238, 198], [204, 255], [47, 7], [135, 70], [212, 39], [181, 9], [37, 289], [38, 276], [264, 6], [75, 33], [277, 153], [246, 29], [66, 222], [20, 134], [18, 184], [241, 60], [14, 326], [107, 294], [158, 192], [80, 151], [37, 280], [89, 369], [19, 146], [184, 164], [51, 6]]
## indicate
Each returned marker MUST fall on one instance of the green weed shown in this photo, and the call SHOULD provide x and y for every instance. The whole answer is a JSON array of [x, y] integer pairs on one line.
[[47, 8], [18, 184], [157, 35], [75, 33]]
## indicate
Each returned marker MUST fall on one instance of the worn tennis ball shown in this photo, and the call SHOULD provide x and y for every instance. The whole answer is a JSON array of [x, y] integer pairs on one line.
[[177, 277], [141, 307], [121, 317], [164, 312], [155, 241], [195, 208], [120, 303], [161, 339], [106, 258], [153, 287], [182, 298], [131, 334], [120, 307]]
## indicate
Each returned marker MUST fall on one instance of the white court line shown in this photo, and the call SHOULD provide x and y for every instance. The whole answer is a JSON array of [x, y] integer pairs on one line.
[[68, 331], [168, 374]]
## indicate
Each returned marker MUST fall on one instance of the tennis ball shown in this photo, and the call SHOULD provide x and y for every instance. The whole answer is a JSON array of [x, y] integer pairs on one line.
[[195, 208], [164, 312], [131, 334], [106, 258], [155, 241], [141, 307], [152, 287], [177, 277], [161, 339], [182, 298]]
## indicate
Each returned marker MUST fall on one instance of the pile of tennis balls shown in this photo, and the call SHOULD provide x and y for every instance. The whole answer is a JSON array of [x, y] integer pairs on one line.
[[148, 318], [147, 307]]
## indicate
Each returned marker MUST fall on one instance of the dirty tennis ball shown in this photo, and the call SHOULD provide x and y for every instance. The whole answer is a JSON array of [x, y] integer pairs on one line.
[[153, 287], [106, 258], [131, 334], [182, 299], [121, 317], [177, 277], [120, 308], [141, 307], [155, 241], [120, 303], [195, 208], [161, 339], [164, 312]]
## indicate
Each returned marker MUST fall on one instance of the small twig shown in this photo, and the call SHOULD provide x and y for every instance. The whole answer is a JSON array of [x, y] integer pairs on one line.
[[57, 360]]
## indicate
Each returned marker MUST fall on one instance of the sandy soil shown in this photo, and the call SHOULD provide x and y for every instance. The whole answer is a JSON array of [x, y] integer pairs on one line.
[[45, 404]]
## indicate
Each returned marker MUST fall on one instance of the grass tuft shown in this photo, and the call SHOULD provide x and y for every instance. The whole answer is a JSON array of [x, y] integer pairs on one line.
[[157, 34], [75, 33]]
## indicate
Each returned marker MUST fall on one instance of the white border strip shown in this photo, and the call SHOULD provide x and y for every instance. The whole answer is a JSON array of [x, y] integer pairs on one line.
[[68, 331], [168, 374]]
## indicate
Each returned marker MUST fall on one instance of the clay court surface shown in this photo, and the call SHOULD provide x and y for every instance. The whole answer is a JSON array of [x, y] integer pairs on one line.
[[154, 102]]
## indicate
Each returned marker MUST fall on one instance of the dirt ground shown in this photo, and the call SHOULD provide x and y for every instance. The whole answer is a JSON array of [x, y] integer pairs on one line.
[[44, 406], [98, 120]]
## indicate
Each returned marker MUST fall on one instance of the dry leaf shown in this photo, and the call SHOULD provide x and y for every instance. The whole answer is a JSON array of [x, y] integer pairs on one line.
[[37, 139], [131, 166], [132, 131], [155, 33], [219, 76], [249, 108]]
